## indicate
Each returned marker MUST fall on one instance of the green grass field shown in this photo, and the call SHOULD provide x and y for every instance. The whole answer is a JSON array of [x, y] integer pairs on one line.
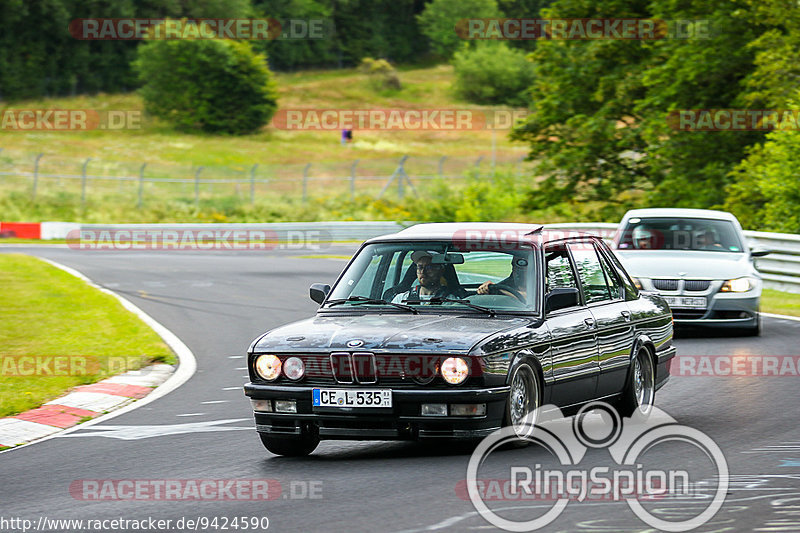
[[780, 303], [45, 312]]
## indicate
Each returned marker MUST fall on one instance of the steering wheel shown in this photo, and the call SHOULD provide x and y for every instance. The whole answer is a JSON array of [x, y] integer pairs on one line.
[[495, 288]]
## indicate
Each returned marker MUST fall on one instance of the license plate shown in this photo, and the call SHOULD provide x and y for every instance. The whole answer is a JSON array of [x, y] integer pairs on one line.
[[351, 397], [686, 302]]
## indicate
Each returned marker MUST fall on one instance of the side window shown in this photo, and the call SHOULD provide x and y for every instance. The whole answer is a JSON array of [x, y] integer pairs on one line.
[[559, 270], [617, 292], [590, 272]]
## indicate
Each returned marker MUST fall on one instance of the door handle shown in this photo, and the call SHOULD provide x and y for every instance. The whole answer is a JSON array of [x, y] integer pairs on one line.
[[626, 315], [589, 322]]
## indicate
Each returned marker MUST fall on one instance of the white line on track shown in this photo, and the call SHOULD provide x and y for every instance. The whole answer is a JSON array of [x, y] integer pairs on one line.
[[233, 388], [214, 401], [191, 414]]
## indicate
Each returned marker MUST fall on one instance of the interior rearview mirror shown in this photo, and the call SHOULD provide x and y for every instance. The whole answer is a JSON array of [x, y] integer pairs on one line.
[[319, 291]]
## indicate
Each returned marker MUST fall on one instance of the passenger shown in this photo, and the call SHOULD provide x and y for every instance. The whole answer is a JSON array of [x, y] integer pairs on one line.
[[517, 280], [429, 275]]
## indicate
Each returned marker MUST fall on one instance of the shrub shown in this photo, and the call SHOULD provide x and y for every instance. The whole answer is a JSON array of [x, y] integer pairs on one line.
[[380, 73], [218, 86], [494, 74]]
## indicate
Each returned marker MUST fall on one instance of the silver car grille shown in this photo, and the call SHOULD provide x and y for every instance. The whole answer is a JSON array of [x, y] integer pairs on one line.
[[696, 285], [666, 284]]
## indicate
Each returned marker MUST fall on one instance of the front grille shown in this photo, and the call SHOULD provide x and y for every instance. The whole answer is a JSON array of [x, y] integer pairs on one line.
[[666, 284], [696, 284], [358, 367]]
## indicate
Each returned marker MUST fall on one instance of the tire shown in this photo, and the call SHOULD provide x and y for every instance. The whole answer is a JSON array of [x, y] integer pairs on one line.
[[639, 394], [524, 398], [290, 446]]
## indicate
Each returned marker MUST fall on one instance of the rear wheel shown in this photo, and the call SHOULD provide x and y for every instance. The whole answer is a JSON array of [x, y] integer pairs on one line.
[[290, 446], [523, 401], [640, 391]]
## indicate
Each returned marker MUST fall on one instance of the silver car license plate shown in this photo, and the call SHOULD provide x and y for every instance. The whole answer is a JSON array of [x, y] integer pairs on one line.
[[686, 302]]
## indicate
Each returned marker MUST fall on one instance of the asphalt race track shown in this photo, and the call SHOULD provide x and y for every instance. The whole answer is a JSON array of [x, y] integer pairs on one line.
[[217, 302]]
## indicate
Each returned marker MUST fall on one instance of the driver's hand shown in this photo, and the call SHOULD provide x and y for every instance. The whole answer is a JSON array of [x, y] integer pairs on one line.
[[484, 288]]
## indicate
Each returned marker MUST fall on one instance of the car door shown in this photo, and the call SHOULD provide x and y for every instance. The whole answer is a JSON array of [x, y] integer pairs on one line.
[[574, 342], [605, 298]]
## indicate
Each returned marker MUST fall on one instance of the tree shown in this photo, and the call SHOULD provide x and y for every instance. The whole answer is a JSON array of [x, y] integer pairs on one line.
[[493, 73], [438, 21], [210, 85], [599, 107]]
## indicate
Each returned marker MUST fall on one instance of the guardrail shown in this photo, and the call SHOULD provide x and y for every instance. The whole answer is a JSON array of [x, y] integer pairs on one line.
[[780, 269]]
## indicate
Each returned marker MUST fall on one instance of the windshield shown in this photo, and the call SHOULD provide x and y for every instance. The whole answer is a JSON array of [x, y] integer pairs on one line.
[[433, 276], [680, 234]]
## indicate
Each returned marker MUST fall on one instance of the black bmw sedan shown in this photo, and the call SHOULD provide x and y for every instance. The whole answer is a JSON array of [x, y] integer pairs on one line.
[[457, 330]]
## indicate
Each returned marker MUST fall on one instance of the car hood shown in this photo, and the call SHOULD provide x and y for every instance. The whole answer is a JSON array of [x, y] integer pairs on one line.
[[385, 332], [689, 264]]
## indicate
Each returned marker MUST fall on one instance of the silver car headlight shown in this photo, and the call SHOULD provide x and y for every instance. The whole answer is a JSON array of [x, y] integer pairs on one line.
[[738, 285]]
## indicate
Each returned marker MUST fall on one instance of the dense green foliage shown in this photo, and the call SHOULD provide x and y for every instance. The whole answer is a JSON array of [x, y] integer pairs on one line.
[[493, 73], [438, 21], [210, 85], [598, 125]]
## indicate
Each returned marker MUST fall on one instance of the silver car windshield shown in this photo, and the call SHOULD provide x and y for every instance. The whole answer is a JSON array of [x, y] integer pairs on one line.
[[434, 276], [681, 234]]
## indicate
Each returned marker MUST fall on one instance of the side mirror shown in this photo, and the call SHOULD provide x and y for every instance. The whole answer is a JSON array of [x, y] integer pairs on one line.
[[759, 252], [561, 299], [319, 291]]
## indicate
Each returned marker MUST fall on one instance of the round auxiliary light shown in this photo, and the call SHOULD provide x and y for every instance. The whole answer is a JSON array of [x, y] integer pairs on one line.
[[293, 368], [268, 367], [455, 370]]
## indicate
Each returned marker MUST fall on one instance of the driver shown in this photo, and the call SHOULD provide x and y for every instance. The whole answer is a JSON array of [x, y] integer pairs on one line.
[[516, 280], [429, 275], [642, 238]]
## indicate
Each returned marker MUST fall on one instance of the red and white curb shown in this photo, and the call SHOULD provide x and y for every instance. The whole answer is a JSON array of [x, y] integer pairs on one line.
[[105, 399], [85, 402]]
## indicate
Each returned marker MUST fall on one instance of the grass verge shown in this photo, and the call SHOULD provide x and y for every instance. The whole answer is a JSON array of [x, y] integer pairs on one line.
[[57, 332], [780, 303]]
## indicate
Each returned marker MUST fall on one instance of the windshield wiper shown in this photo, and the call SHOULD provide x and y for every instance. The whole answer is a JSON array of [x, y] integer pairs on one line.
[[439, 299], [365, 300]]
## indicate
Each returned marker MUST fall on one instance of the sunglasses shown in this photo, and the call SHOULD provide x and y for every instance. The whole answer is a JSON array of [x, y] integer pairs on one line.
[[428, 268]]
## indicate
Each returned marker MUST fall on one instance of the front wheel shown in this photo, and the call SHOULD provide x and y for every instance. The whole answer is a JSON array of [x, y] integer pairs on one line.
[[524, 399], [640, 390], [290, 446]]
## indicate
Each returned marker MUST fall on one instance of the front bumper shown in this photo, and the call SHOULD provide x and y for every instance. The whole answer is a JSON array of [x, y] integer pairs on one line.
[[403, 421]]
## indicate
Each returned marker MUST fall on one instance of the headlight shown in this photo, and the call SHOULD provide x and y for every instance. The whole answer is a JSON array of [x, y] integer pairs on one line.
[[294, 368], [637, 283], [455, 370], [268, 367], [738, 285]]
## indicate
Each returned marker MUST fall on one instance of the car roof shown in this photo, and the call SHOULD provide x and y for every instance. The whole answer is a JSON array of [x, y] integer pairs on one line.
[[488, 231], [679, 213]]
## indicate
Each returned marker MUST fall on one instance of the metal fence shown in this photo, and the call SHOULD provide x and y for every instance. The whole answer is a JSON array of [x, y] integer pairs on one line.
[[41, 174]]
